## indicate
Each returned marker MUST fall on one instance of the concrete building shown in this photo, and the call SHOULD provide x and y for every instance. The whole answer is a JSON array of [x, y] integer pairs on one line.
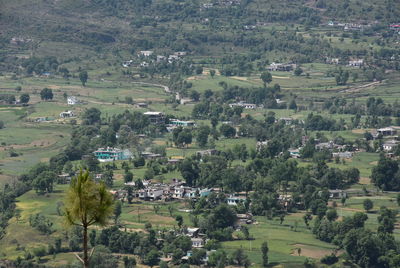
[[110, 154], [67, 114], [155, 117], [72, 100]]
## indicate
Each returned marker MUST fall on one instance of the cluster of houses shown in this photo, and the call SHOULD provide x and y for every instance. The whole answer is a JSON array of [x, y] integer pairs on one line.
[[390, 134], [250, 106], [145, 54], [352, 63], [20, 40], [222, 3], [281, 67], [349, 26]]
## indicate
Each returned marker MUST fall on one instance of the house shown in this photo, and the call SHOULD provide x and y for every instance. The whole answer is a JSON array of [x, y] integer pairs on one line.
[[294, 153], [337, 194], [150, 193], [242, 219], [251, 106], [197, 242], [146, 53], [260, 145], [332, 61], [279, 101], [149, 155], [72, 100], [161, 58], [390, 145], [287, 120], [181, 123], [141, 105], [234, 200], [342, 155], [324, 145], [180, 53], [387, 131], [395, 26], [174, 161], [193, 232], [67, 114], [64, 178], [179, 192], [172, 58], [110, 154], [206, 152], [205, 192], [42, 119], [356, 63], [144, 64], [127, 63], [155, 117], [280, 67]]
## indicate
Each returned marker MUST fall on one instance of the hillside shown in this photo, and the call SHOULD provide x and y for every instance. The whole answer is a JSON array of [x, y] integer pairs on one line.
[[228, 133]]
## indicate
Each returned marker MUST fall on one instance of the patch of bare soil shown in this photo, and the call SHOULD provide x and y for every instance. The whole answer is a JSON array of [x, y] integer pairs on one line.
[[36, 143], [310, 251], [364, 180]]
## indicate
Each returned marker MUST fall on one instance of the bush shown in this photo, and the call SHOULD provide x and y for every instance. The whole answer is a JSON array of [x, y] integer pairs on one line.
[[329, 259]]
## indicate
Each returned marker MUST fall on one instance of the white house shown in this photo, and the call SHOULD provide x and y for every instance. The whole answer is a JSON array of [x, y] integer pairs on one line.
[[146, 53], [197, 242], [127, 63], [234, 200], [389, 145], [67, 114], [356, 63], [244, 105], [72, 100]]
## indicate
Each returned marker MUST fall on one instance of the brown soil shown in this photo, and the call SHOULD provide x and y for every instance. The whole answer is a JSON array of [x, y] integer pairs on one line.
[[36, 143], [365, 180], [310, 251]]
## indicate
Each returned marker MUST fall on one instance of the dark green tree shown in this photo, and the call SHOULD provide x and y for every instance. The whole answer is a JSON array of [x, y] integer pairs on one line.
[[83, 76]]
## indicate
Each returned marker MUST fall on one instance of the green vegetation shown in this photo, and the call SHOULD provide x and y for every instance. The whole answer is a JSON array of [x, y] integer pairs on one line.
[[286, 97]]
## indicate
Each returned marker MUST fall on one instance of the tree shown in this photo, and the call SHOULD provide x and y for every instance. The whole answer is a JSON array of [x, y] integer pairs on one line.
[[385, 174], [44, 182], [331, 214], [128, 177], [245, 231], [264, 251], [266, 77], [217, 259], [293, 104], [152, 258], [298, 71], [87, 203], [227, 130], [46, 94], [83, 76], [117, 211], [179, 220], [212, 73], [368, 204], [91, 116], [199, 69], [240, 258], [202, 135], [221, 217], [24, 98]]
